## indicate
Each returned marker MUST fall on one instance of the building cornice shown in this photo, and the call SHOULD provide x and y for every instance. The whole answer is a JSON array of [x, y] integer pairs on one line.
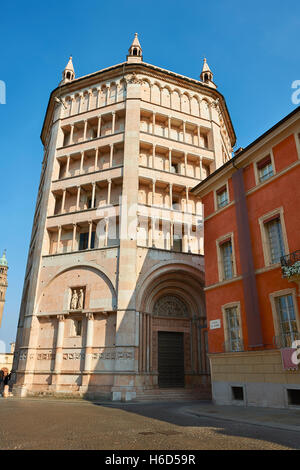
[[126, 68]]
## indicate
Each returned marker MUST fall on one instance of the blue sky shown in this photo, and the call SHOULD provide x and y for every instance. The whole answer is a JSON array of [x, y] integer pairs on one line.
[[252, 48]]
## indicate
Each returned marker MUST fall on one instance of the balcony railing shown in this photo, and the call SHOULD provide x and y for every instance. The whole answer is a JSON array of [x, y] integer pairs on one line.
[[290, 259], [286, 340], [290, 265]]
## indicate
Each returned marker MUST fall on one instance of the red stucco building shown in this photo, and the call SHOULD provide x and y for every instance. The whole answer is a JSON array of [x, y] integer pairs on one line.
[[252, 289]]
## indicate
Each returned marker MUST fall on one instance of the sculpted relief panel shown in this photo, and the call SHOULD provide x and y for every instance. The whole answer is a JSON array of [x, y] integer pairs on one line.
[[170, 306]]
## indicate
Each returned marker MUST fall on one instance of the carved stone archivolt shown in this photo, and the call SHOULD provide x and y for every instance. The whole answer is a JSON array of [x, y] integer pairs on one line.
[[170, 306], [77, 299]]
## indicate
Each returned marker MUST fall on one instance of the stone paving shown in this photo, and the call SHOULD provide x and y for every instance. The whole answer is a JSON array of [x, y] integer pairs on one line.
[[77, 424]]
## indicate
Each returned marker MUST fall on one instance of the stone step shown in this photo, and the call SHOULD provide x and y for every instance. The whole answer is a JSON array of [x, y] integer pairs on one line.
[[178, 394]]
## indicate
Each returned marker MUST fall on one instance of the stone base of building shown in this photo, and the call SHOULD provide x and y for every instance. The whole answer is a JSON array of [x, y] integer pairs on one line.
[[254, 378], [99, 386]]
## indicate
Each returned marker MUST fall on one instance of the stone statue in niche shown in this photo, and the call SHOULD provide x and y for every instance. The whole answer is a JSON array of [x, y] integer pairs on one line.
[[74, 300], [80, 299], [77, 299]]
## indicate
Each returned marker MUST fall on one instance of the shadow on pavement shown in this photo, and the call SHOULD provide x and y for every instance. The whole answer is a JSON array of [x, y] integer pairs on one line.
[[186, 414]]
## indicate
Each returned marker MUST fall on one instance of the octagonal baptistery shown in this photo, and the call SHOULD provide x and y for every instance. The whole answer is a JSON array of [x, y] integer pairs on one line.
[[113, 300]]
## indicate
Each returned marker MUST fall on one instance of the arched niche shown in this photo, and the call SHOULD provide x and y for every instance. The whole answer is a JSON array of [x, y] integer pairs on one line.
[[195, 108], [99, 292], [166, 98], [185, 103], [112, 93], [146, 90], [205, 109], [155, 94], [121, 91], [176, 100]]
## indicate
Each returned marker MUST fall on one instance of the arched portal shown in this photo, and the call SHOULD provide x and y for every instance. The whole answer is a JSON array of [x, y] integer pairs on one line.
[[172, 342]]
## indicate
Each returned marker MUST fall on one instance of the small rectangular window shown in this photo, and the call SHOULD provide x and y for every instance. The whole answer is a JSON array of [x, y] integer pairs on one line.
[[227, 262], [293, 396], [175, 168], [222, 197], [237, 393], [275, 239], [176, 203], [265, 169], [84, 241]]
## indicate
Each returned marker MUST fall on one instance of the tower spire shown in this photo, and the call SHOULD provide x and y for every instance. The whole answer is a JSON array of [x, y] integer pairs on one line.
[[206, 75], [135, 52], [3, 282], [68, 74]]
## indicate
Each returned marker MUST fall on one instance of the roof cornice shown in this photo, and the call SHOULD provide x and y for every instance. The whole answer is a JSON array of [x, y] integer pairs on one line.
[[141, 67]]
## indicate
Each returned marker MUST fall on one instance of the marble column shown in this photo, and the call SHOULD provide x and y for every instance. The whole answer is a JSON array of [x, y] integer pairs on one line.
[[63, 201], [58, 239], [71, 134], [113, 123], [58, 350], [108, 192], [81, 162], [78, 198], [85, 130], [99, 127], [90, 234], [89, 342], [111, 155], [185, 163], [93, 195], [96, 158], [201, 169], [74, 236], [153, 192], [68, 166]]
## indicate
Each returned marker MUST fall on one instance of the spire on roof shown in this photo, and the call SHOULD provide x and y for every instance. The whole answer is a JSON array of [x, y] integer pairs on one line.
[[3, 260], [135, 53], [68, 74], [206, 75]]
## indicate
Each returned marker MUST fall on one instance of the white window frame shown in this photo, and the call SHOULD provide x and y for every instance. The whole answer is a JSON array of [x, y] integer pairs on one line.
[[217, 208], [276, 320], [256, 170], [219, 241], [236, 305], [264, 235]]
